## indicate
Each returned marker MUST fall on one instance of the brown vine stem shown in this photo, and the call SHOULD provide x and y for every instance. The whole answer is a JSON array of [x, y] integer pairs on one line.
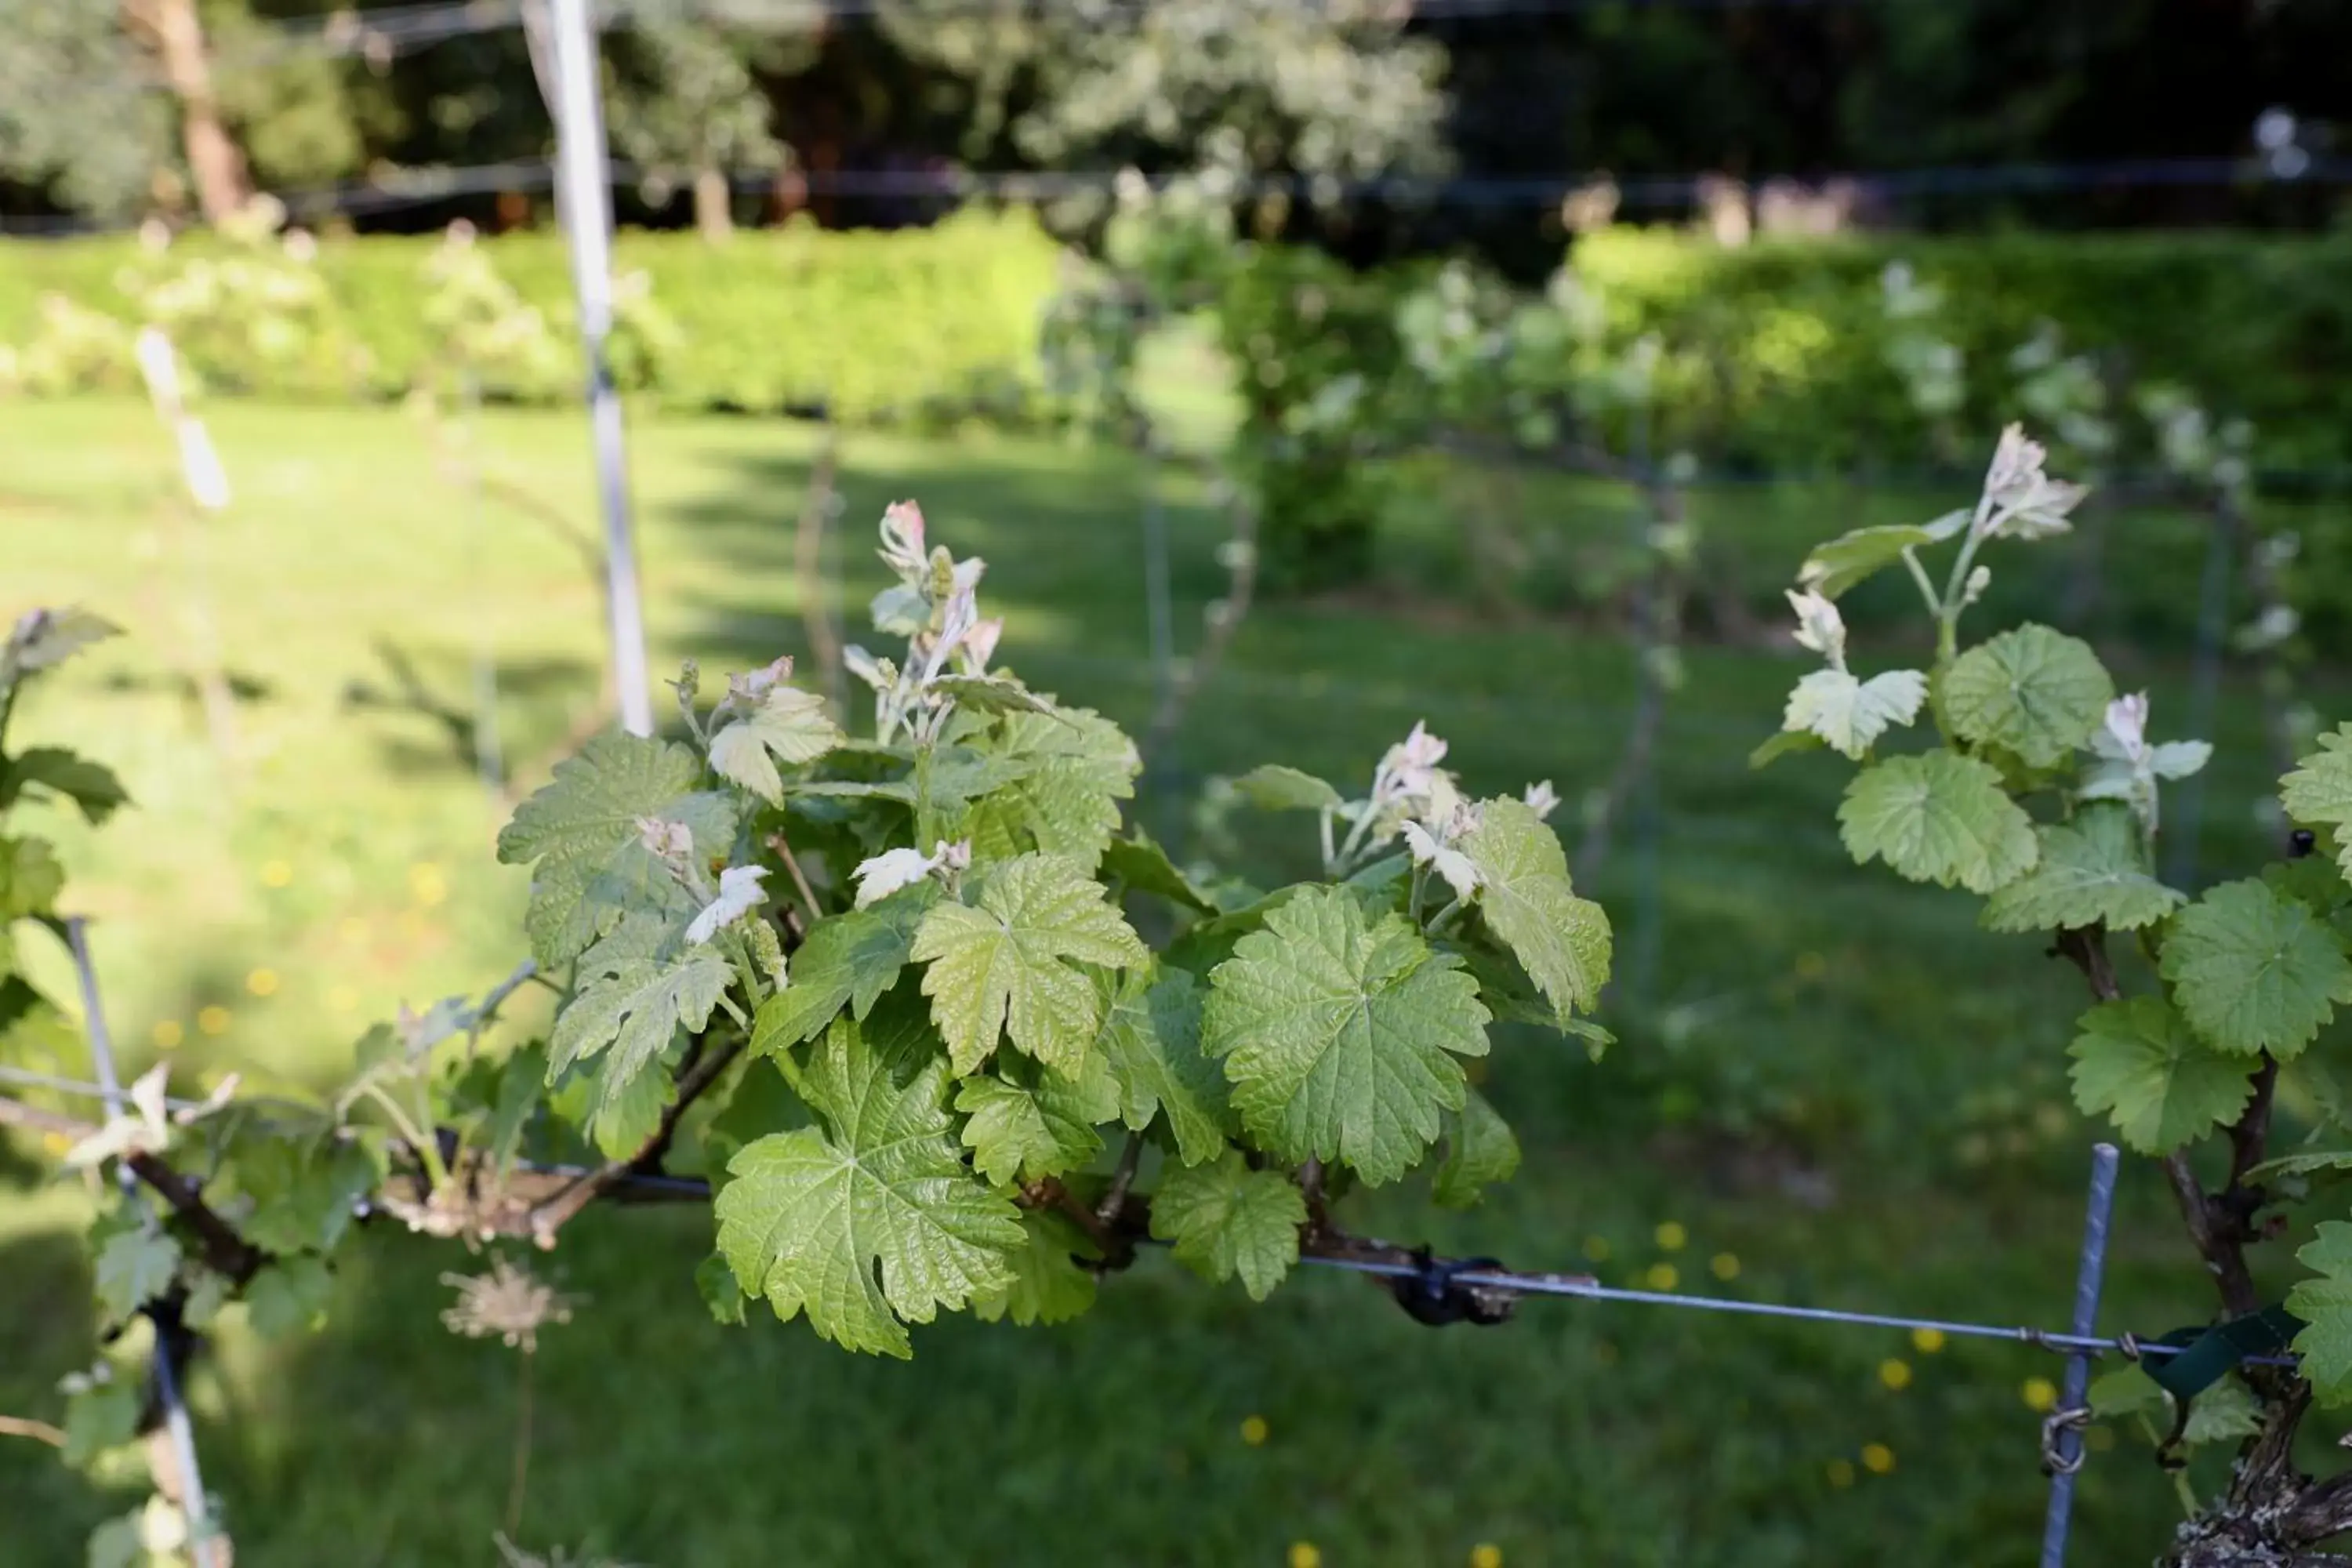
[[545, 1219], [225, 1252]]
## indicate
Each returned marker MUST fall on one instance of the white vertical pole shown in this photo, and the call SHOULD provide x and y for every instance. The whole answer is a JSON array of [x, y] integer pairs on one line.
[[583, 189]]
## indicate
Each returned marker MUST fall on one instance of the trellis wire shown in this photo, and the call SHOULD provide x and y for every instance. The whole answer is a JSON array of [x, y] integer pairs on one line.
[[176, 1424], [2065, 1453]]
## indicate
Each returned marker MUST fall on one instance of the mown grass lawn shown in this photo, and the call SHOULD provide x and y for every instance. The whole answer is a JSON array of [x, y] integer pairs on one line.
[[1803, 1095]]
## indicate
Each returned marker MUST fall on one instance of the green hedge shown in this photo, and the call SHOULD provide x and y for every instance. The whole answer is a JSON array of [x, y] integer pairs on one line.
[[1776, 350], [883, 325]]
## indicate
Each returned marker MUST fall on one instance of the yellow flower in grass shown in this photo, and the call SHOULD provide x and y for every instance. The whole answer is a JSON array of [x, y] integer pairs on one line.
[[1841, 1472], [1662, 1276], [427, 883], [1926, 1342], [342, 999], [1254, 1430], [167, 1034], [1304, 1554], [277, 873], [262, 983], [1877, 1458], [1894, 1373], [1671, 1237], [1724, 1266], [1485, 1554], [2040, 1393], [213, 1020]]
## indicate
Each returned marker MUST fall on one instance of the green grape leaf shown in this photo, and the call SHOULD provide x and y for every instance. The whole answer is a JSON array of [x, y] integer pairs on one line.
[[579, 835], [1273, 787], [2325, 1305], [91, 786], [133, 1267], [872, 1219], [848, 961], [1938, 817], [789, 726], [623, 1115], [1848, 714], [1008, 966], [1856, 557], [2315, 1162], [2126, 1391], [1525, 899], [2090, 872], [991, 694], [1479, 1149], [2224, 1412], [102, 1416], [2136, 1061], [1225, 1219], [628, 1010], [302, 1189], [290, 1296], [1144, 867], [1080, 765], [30, 878], [1339, 1034], [714, 1280], [1788, 742], [2318, 793], [1151, 1039], [1027, 1122], [2036, 692], [1051, 1283], [2254, 971]]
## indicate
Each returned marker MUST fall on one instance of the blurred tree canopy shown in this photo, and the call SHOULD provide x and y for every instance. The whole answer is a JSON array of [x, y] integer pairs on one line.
[[1309, 91]]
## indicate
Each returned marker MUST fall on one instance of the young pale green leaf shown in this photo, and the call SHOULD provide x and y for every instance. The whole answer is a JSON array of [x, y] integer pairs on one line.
[[2302, 1167], [1151, 1039], [875, 1218], [628, 1010], [30, 878], [1525, 899], [1339, 1034], [1144, 867], [624, 1113], [290, 1296], [2325, 1305], [1479, 1149], [1849, 715], [301, 1190], [2036, 692], [2254, 971], [46, 638], [2224, 1412], [1028, 1122], [1273, 787], [2090, 872], [102, 1416], [1007, 966], [714, 1282], [2126, 1391], [991, 694], [1856, 557], [578, 833], [2136, 1061], [1938, 817], [1788, 742], [789, 726], [91, 786], [848, 961], [2318, 793], [1051, 1283], [1225, 1219], [1079, 766], [133, 1267]]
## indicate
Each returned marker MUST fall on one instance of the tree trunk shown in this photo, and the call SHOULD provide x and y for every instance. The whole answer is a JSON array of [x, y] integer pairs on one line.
[[713, 206], [215, 162]]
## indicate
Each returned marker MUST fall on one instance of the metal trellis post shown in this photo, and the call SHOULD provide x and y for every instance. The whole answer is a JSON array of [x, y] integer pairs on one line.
[[176, 1424], [2063, 1449], [585, 201]]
